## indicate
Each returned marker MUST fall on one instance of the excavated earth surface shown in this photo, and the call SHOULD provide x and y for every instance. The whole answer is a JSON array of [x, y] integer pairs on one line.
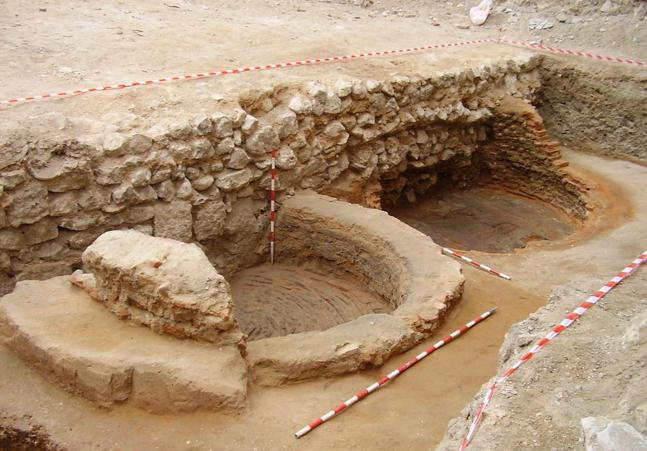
[[50, 47], [485, 220], [279, 299]]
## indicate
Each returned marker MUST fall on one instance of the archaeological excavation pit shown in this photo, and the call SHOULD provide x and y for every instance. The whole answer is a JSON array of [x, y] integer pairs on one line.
[[352, 284]]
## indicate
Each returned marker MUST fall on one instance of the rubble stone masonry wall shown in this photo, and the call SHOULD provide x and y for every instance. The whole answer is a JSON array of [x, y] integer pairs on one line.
[[206, 180]]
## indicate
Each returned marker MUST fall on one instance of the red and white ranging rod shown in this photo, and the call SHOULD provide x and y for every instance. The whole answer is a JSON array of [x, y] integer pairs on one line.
[[476, 264], [392, 375], [570, 319], [272, 204]]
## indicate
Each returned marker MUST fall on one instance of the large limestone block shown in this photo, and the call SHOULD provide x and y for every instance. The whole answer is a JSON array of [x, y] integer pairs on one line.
[[165, 284], [75, 342]]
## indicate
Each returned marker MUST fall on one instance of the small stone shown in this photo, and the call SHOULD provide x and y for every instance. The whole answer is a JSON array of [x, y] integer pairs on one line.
[[81, 220], [192, 173], [138, 214], [249, 124], [225, 147], [166, 190], [373, 86], [123, 193], [365, 119], [140, 177], [334, 129], [262, 141], [359, 89], [202, 149], [286, 158], [540, 24], [300, 105], [223, 126], [317, 91], [29, 204], [11, 240], [609, 7], [5, 262], [422, 137], [138, 144], [184, 190], [234, 180], [343, 87], [287, 124], [238, 159], [203, 125], [160, 175], [11, 179], [39, 232], [239, 118], [333, 104], [202, 183], [113, 143]]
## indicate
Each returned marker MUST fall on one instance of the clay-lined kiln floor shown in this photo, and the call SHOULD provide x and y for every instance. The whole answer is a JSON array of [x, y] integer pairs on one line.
[[274, 300], [485, 220]]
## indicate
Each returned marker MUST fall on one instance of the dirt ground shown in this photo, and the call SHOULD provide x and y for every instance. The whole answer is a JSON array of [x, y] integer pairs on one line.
[[485, 220], [415, 410], [58, 45]]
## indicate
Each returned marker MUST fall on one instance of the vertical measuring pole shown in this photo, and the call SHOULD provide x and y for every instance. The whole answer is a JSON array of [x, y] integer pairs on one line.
[[272, 205]]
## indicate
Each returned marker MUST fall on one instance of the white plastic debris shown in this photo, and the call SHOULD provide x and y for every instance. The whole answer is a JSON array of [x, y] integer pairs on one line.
[[479, 14]]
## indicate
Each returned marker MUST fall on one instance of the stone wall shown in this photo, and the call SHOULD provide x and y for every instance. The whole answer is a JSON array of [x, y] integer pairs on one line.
[[525, 160], [206, 181]]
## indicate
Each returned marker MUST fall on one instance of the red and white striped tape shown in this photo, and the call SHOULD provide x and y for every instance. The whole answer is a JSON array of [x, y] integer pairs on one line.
[[392, 375], [218, 73], [273, 176], [312, 61], [476, 264], [561, 51], [570, 319]]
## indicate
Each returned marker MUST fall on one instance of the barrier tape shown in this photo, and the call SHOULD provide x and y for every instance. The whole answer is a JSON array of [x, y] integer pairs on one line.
[[475, 264], [392, 375], [570, 319], [218, 73], [561, 51], [273, 176], [307, 62]]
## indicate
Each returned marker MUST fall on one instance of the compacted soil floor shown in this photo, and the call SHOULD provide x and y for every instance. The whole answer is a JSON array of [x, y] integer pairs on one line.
[[280, 299], [484, 220]]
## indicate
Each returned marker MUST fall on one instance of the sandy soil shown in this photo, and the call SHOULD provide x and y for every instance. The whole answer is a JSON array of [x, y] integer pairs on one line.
[[280, 299], [62, 45], [485, 220]]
